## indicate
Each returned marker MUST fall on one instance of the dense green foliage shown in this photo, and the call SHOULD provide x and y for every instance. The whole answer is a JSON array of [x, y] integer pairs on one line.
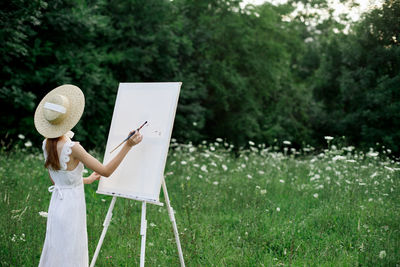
[[358, 80], [262, 208], [247, 73]]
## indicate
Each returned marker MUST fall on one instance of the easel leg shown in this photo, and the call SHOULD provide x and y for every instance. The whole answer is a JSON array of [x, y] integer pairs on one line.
[[174, 226], [103, 234], [143, 231]]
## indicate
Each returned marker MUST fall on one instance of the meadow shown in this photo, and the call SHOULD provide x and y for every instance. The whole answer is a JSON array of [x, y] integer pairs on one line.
[[258, 207]]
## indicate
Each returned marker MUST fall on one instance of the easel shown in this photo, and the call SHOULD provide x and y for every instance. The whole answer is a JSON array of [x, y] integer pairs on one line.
[[143, 228]]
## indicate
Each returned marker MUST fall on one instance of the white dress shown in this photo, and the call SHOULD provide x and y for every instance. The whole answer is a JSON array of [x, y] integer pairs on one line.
[[66, 241]]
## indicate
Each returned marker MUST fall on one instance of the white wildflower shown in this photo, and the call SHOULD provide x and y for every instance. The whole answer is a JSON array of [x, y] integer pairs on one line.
[[349, 148], [388, 168], [28, 144], [287, 142], [43, 214], [328, 138], [335, 158], [315, 195], [315, 177], [183, 162], [215, 183], [261, 172], [263, 191], [382, 254], [372, 154], [152, 224], [219, 140], [249, 176], [251, 143], [21, 136], [204, 168], [212, 148], [282, 181], [278, 209], [224, 167]]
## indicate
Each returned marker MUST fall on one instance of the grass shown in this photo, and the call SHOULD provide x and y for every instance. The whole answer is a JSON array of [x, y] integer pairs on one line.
[[262, 208]]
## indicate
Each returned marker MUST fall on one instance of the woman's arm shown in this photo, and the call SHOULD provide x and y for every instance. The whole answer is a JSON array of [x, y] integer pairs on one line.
[[93, 177], [92, 163]]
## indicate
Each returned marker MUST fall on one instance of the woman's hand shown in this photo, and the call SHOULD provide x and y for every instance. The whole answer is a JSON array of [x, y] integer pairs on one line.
[[79, 153], [93, 177], [135, 139]]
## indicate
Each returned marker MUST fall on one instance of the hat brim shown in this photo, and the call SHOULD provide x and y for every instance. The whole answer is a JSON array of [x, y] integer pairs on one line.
[[77, 105]]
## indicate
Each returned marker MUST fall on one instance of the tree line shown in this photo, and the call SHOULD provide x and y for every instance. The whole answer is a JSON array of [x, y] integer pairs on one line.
[[248, 73]]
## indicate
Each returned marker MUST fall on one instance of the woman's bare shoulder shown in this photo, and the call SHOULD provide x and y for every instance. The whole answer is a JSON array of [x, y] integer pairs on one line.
[[77, 148]]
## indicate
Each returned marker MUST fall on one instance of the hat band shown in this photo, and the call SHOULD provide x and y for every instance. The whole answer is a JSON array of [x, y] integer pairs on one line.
[[55, 107]]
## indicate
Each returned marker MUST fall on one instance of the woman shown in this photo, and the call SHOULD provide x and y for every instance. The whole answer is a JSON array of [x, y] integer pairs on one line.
[[66, 235]]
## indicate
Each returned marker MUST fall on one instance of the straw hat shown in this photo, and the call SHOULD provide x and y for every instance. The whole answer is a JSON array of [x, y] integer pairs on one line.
[[59, 111]]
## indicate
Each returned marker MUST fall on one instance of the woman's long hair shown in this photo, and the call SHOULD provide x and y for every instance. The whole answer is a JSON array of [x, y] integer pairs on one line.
[[52, 160]]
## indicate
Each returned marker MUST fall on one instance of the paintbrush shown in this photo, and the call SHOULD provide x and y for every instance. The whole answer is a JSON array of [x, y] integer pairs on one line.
[[129, 136]]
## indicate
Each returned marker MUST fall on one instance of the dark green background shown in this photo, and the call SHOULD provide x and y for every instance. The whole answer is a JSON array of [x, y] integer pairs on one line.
[[247, 73]]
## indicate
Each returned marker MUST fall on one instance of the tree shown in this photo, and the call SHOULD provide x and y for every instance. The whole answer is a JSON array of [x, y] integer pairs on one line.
[[358, 80]]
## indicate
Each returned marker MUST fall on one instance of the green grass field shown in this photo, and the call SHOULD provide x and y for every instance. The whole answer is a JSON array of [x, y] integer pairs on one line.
[[262, 208]]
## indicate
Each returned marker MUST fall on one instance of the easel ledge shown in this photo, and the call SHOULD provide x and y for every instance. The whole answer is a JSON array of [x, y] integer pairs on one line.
[[147, 200]]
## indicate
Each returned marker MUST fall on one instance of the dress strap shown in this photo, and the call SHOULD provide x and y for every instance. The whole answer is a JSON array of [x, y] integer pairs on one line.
[[65, 153]]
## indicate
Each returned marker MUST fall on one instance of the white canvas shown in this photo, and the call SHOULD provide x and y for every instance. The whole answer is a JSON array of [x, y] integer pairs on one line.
[[141, 172]]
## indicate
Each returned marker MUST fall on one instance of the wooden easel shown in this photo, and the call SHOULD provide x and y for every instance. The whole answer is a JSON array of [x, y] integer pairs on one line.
[[143, 228]]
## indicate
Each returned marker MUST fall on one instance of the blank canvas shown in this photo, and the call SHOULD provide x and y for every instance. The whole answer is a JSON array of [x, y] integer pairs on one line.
[[141, 172]]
